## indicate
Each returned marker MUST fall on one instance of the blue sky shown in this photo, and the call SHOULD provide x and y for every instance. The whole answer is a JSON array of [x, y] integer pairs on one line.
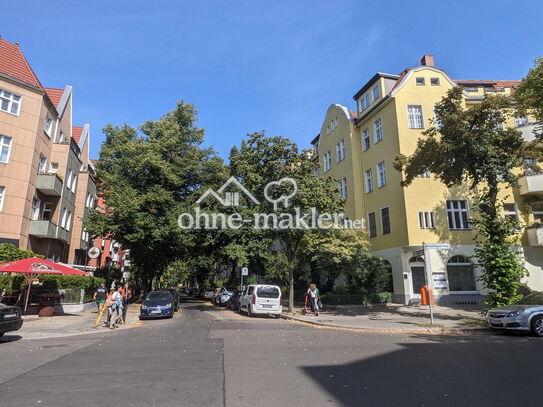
[[255, 65]]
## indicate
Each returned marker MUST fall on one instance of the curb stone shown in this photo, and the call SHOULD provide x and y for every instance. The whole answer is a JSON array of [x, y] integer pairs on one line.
[[420, 331]]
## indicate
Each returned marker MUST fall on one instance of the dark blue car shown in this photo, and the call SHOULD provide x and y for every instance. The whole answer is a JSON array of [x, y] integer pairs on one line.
[[157, 304]]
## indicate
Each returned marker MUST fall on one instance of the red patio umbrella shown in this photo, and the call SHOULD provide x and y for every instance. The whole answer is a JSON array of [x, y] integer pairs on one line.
[[31, 267]]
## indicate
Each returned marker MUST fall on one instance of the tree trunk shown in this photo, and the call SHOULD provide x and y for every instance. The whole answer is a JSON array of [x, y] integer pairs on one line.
[[291, 289]]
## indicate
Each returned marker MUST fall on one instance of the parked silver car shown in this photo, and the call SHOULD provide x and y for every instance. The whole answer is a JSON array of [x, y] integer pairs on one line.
[[525, 315]]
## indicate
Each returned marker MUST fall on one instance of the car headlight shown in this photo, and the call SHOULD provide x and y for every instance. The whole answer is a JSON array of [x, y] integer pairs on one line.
[[515, 313], [169, 305], [143, 306]]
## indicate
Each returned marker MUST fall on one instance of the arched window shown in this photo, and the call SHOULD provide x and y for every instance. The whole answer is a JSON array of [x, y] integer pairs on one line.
[[460, 274], [416, 259]]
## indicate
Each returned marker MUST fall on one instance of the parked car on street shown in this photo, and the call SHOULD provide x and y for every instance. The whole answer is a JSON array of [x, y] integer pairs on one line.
[[223, 296], [261, 299], [157, 304], [234, 301], [10, 319], [176, 298], [525, 315], [208, 293]]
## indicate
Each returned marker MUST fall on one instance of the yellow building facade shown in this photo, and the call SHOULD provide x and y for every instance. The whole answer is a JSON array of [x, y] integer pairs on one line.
[[358, 149]]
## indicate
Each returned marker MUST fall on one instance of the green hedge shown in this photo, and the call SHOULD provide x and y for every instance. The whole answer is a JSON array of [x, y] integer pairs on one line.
[[52, 282], [356, 299]]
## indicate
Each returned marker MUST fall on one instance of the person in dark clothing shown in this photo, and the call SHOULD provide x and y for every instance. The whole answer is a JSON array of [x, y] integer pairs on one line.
[[100, 296]]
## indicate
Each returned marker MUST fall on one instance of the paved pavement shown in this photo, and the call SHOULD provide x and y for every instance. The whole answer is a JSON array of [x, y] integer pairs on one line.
[[397, 318], [207, 356]]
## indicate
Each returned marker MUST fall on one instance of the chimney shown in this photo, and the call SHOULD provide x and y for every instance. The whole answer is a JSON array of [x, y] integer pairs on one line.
[[427, 60]]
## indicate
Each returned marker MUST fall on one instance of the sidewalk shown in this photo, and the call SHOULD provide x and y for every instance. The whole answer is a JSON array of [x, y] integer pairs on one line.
[[80, 323], [396, 319]]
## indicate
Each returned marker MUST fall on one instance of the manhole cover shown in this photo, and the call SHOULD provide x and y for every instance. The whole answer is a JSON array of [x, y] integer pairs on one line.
[[60, 345]]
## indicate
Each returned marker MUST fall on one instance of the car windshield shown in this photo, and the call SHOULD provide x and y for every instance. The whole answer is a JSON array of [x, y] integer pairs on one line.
[[531, 299], [267, 292], [159, 295]]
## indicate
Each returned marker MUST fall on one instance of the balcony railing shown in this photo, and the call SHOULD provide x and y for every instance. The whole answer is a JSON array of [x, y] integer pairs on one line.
[[531, 185], [49, 184], [47, 229]]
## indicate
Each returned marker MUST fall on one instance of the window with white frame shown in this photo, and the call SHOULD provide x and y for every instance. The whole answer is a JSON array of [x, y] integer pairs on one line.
[[48, 125], [364, 102], [63, 218], [340, 151], [53, 168], [381, 174], [42, 166], [365, 139], [368, 175], [427, 220], [385, 220], [521, 121], [85, 236], [437, 122], [5, 148], [510, 211], [47, 213], [343, 187], [372, 224], [420, 81], [69, 221], [376, 92], [35, 211], [2, 195], [327, 161], [377, 131], [74, 183], [414, 116], [69, 179], [434, 81], [458, 214], [9, 102]]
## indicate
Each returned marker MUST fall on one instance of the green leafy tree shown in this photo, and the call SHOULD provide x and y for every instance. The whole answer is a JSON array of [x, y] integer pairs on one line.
[[261, 160], [9, 252], [529, 94], [147, 177], [473, 146]]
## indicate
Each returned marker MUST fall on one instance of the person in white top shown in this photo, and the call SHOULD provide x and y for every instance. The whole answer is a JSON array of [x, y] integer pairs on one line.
[[117, 307]]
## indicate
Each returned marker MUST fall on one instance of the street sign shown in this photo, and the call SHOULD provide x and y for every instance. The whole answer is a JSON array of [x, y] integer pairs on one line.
[[94, 252], [244, 271], [442, 246], [418, 253]]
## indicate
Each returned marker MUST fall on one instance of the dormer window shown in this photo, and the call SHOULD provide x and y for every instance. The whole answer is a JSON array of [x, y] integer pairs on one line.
[[376, 93], [364, 102], [420, 81]]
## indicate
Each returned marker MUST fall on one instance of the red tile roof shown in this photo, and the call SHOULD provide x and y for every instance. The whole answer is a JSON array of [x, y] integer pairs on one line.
[[76, 133], [14, 64], [353, 114], [54, 94]]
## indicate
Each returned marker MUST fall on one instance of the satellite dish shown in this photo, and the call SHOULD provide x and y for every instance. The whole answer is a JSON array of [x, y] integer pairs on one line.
[[94, 252]]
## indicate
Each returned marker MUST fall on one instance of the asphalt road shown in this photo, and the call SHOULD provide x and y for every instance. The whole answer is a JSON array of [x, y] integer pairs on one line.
[[211, 357]]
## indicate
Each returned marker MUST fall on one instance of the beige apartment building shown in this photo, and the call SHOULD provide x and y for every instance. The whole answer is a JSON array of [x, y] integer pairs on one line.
[[46, 177], [358, 148]]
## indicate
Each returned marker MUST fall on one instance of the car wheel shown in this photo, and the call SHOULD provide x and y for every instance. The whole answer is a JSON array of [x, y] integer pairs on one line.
[[537, 325], [277, 316]]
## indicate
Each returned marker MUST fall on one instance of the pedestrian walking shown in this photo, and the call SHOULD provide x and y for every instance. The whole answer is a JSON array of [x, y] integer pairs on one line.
[[116, 307], [100, 296], [109, 305], [313, 297], [126, 293]]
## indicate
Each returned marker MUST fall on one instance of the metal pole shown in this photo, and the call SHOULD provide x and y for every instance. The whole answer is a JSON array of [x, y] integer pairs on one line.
[[427, 278]]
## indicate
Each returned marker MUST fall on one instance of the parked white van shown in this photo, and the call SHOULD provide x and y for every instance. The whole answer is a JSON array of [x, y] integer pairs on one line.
[[261, 299]]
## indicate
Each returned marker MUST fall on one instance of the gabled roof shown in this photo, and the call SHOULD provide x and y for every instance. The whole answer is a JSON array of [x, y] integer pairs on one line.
[[76, 133], [14, 65], [372, 80], [54, 94]]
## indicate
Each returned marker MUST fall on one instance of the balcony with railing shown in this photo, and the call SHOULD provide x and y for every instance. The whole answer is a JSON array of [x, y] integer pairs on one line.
[[46, 229], [49, 184], [535, 235], [531, 184]]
